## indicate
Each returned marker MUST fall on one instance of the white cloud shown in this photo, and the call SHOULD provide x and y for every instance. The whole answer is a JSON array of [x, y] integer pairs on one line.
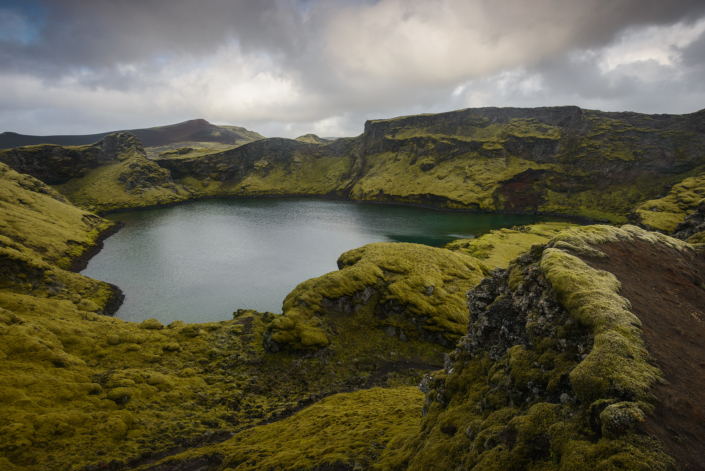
[[657, 43], [336, 65]]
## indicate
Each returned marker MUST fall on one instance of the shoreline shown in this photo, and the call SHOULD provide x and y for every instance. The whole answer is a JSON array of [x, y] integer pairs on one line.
[[117, 297], [584, 220], [80, 263]]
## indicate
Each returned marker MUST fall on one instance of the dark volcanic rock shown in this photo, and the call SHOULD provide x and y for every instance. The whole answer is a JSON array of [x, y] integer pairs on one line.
[[693, 224], [55, 164]]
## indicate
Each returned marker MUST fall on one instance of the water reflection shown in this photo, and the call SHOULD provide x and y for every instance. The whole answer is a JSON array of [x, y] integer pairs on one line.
[[200, 262]]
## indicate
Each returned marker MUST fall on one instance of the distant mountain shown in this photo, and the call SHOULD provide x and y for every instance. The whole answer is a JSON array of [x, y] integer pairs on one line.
[[195, 130], [312, 139]]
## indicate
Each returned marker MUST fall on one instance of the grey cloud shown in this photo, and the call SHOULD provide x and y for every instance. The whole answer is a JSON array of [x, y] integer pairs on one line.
[[102, 33], [92, 43], [694, 53]]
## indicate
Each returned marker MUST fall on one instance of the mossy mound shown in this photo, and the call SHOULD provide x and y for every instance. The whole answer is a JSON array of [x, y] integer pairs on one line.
[[499, 247], [36, 220], [131, 182], [409, 290], [553, 371], [312, 139], [666, 213]]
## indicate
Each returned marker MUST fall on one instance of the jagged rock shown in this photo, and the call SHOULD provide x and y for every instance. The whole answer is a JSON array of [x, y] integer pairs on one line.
[[55, 164], [693, 227]]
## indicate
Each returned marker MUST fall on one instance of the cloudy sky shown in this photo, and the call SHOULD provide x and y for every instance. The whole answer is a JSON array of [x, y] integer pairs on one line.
[[289, 67]]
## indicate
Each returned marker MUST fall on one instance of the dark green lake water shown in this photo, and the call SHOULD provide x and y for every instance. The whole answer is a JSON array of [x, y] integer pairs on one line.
[[201, 261]]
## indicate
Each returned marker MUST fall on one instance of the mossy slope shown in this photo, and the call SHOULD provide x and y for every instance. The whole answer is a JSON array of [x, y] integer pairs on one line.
[[82, 390], [499, 247], [553, 371], [268, 167], [131, 181], [563, 160], [36, 220], [409, 290], [666, 213], [345, 431]]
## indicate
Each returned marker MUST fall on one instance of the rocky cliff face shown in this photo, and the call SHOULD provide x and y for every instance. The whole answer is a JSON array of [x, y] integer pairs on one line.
[[55, 164], [556, 370], [693, 228], [562, 160]]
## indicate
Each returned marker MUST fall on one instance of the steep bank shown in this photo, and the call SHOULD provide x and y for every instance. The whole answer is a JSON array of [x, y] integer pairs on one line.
[[562, 160], [558, 369]]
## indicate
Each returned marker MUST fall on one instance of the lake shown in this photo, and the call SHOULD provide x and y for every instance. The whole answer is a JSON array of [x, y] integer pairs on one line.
[[201, 261]]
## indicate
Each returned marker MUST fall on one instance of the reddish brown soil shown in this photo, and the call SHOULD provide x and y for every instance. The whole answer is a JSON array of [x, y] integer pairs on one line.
[[519, 192], [667, 291]]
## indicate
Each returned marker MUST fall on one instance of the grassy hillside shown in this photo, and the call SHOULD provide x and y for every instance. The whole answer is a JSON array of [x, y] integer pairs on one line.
[[551, 345]]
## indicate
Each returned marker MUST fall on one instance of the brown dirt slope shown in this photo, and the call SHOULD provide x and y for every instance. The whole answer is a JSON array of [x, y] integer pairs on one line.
[[667, 291]]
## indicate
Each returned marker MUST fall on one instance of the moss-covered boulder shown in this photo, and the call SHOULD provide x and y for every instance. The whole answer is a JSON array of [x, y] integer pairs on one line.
[[410, 291]]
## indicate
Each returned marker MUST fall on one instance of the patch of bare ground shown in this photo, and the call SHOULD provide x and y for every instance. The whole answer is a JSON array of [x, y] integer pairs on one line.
[[667, 291]]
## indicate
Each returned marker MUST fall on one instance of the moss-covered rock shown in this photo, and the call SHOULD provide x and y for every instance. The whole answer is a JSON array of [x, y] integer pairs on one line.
[[553, 371], [54, 164], [131, 181], [409, 290], [666, 213], [499, 247]]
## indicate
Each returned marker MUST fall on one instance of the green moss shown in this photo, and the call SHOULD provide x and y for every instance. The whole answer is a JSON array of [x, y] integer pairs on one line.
[[35, 218], [473, 416], [618, 365], [346, 429], [132, 182], [499, 247], [666, 213], [466, 181], [414, 289]]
